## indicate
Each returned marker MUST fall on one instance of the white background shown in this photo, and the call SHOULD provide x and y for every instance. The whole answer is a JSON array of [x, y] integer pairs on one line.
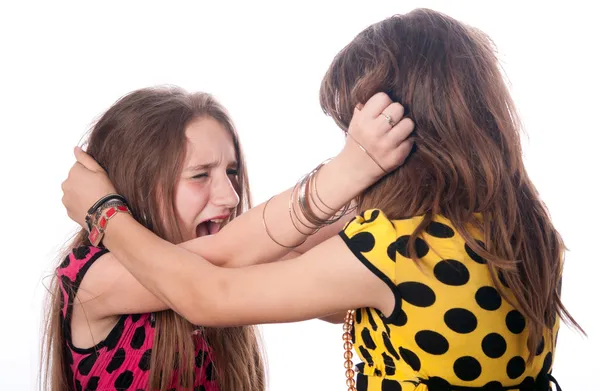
[[62, 64]]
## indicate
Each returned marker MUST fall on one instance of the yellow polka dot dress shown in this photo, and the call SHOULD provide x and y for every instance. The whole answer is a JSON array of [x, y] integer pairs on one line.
[[450, 328]]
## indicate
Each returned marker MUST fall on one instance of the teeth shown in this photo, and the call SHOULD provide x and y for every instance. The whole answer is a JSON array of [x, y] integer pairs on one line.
[[217, 221]]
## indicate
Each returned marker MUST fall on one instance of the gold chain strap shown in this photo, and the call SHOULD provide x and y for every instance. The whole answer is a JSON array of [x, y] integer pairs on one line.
[[347, 337]]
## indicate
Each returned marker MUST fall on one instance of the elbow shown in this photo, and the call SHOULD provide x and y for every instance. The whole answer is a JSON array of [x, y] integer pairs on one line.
[[207, 304]]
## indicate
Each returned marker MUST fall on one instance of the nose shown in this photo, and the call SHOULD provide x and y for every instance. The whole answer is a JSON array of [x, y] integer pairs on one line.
[[223, 193]]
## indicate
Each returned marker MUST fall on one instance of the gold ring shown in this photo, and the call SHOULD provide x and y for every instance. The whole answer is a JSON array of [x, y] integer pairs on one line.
[[389, 119]]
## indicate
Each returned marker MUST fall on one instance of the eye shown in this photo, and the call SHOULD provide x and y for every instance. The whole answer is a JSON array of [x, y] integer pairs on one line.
[[201, 175], [232, 171]]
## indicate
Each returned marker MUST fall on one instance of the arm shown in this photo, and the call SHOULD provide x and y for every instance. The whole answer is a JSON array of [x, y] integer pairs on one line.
[[210, 247], [244, 241], [298, 289], [109, 289]]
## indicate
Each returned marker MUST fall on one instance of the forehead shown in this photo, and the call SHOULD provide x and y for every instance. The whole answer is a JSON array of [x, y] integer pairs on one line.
[[208, 139]]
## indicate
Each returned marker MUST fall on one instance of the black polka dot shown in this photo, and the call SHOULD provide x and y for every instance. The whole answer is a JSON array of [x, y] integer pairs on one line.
[[451, 272], [139, 336], [399, 318], [115, 335], [117, 360], [502, 279], [144, 363], [124, 381], [389, 346], [135, 317], [493, 345], [401, 245], [438, 383], [547, 363], [371, 319], [467, 368], [417, 294], [200, 388], [488, 298], [66, 262], [92, 384], [210, 371], [391, 251], [81, 252], [390, 385], [473, 255], [515, 367], [78, 385], [358, 316], [411, 359], [528, 383], [86, 365], [432, 342], [493, 386], [373, 217], [362, 242], [366, 355], [390, 365], [353, 333], [201, 357], [378, 372], [460, 320], [362, 382], [515, 322], [367, 339], [439, 230], [540, 347]]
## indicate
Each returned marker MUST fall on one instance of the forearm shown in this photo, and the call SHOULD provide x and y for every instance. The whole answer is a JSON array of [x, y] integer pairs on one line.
[[245, 241]]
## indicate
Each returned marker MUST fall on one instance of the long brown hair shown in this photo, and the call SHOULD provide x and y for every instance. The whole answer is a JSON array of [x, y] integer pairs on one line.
[[139, 142], [468, 156]]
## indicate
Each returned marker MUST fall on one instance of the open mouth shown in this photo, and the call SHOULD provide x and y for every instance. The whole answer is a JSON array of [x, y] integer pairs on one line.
[[209, 227]]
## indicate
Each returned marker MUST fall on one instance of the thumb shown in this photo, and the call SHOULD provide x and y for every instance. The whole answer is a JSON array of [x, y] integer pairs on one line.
[[87, 161]]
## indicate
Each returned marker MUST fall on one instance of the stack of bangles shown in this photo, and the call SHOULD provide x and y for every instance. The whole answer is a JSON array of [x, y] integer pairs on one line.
[[98, 215], [304, 191]]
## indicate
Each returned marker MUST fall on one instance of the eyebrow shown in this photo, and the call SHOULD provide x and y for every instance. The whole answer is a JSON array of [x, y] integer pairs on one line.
[[206, 166]]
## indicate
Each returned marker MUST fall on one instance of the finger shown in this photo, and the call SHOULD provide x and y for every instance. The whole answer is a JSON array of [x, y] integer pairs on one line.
[[87, 161], [404, 150], [376, 104], [394, 111], [401, 131]]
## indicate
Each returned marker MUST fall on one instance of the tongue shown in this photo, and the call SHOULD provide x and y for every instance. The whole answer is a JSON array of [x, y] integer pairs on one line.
[[213, 228], [202, 229]]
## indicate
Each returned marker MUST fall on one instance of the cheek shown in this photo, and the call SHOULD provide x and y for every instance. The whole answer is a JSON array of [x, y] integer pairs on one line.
[[190, 200]]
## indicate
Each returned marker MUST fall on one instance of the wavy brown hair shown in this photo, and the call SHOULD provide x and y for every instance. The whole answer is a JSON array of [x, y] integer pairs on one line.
[[140, 142], [468, 156]]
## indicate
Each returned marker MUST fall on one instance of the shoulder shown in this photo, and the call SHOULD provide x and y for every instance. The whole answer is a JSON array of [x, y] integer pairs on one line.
[[77, 262], [377, 224]]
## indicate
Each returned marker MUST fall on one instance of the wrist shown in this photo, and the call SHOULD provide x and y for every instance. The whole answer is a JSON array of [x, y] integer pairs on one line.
[[357, 169], [100, 221]]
